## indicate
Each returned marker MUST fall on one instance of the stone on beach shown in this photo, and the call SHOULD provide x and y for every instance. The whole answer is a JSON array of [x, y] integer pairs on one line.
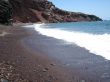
[[45, 69]]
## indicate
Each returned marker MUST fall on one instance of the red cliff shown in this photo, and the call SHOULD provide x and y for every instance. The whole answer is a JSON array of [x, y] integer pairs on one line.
[[44, 11]]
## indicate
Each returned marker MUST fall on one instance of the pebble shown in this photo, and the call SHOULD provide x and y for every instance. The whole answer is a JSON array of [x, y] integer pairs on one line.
[[82, 81], [39, 65], [52, 64], [45, 69]]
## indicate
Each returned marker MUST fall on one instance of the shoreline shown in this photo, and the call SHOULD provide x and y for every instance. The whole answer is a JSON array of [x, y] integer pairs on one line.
[[78, 62], [27, 66], [32, 57]]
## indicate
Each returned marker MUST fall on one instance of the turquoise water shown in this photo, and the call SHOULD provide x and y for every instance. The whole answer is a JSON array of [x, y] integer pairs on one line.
[[99, 27], [93, 36]]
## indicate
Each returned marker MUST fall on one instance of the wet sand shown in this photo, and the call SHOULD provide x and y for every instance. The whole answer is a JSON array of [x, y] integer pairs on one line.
[[81, 65], [37, 58], [27, 65]]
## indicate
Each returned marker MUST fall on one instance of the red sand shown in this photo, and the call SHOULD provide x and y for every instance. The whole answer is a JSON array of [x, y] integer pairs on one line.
[[30, 66], [26, 56]]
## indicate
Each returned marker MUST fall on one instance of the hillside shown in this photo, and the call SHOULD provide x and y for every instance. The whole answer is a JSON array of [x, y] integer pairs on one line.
[[25, 11]]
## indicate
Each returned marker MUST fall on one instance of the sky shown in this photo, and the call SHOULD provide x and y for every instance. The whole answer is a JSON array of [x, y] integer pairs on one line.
[[100, 8]]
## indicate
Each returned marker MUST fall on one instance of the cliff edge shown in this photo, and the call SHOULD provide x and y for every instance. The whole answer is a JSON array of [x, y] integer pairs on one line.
[[26, 11]]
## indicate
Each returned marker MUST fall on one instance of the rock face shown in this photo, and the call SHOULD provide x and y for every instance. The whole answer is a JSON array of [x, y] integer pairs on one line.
[[5, 12], [26, 11]]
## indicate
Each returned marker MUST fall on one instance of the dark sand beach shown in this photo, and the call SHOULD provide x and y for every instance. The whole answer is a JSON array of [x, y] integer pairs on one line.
[[19, 64], [27, 56]]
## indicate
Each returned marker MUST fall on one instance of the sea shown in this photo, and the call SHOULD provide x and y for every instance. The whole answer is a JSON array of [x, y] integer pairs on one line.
[[93, 36]]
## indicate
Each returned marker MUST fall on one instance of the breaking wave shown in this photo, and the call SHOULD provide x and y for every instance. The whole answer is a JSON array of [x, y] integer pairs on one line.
[[97, 44]]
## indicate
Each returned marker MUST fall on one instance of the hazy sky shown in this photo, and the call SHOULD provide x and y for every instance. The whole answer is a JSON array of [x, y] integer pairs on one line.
[[100, 8]]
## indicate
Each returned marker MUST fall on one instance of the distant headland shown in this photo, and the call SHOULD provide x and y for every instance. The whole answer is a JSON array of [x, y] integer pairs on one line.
[[32, 11]]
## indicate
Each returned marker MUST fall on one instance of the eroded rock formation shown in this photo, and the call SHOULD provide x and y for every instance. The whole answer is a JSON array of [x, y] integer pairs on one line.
[[26, 11]]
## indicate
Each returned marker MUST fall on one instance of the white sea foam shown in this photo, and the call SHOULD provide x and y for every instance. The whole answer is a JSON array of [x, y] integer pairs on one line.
[[97, 44]]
